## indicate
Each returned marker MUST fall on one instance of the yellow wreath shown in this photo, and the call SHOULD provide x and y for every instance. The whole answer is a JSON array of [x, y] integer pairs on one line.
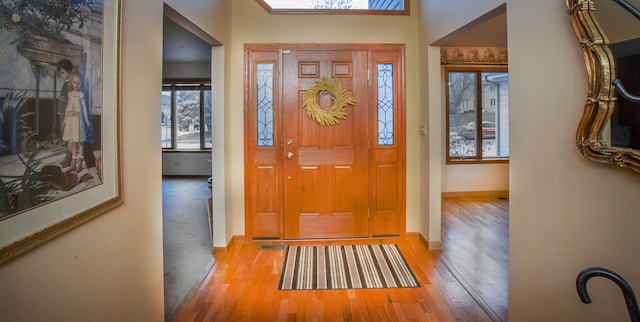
[[335, 112]]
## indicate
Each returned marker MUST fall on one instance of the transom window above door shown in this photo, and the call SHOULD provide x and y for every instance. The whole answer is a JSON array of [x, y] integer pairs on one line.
[[349, 7]]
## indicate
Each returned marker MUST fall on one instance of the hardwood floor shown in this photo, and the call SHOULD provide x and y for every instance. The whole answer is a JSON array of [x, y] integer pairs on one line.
[[467, 281], [242, 286], [475, 239]]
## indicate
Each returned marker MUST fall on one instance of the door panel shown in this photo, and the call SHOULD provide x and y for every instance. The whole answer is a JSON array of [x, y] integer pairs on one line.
[[387, 175], [326, 180], [263, 174]]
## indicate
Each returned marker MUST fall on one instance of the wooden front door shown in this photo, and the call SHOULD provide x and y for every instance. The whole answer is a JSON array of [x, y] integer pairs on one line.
[[306, 180], [325, 168]]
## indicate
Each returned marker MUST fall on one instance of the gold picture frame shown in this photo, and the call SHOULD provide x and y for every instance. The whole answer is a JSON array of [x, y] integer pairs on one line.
[[49, 197], [594, 136]]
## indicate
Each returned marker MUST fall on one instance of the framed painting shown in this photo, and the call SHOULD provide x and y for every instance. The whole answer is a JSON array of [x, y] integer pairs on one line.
[[59, 123]]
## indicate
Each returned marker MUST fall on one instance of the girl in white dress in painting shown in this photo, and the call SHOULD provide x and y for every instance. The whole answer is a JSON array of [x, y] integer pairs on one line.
[[75, 114]]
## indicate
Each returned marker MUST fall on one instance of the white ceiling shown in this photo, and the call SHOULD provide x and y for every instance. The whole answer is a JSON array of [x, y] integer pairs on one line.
[[490, 33], [488, 30], [180, 45]]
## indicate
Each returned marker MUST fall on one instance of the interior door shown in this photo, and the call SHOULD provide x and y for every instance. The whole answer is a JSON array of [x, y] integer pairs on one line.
[[325, 169]]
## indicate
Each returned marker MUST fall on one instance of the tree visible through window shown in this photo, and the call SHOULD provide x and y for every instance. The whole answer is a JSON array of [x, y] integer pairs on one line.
[[186, 116], [478, 114]]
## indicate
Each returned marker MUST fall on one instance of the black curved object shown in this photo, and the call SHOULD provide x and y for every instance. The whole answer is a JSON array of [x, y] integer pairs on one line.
[[627, 291], [616, 82], [623, 92]]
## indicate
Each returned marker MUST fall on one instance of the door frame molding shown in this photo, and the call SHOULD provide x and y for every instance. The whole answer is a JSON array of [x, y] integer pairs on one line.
[[389, 222]]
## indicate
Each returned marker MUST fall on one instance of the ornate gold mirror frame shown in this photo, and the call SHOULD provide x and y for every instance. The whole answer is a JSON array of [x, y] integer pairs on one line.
[[601, 97]]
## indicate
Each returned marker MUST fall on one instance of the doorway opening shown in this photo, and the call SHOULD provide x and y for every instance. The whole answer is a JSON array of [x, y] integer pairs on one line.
[[474, 185], [187, 124]]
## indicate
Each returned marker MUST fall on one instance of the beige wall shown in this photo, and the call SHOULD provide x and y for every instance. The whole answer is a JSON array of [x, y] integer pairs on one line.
[[566, 213], [474, 177], [428, 179]]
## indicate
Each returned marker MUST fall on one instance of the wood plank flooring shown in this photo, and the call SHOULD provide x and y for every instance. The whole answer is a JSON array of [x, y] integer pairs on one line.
[[475, 239], [242, 286]]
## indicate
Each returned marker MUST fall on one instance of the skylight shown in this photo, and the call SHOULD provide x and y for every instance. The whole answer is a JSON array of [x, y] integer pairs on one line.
[[338, 6], [318, 4]]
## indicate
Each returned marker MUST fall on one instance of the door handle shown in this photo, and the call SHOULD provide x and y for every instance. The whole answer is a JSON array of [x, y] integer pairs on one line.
[[289, 155]]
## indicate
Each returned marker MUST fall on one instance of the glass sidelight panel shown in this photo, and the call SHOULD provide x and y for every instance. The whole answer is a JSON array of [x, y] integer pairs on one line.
[[264, 104], [385, 104]]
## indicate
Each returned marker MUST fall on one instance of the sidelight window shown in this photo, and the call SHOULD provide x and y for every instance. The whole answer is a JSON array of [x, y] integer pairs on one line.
[[386, 111], [264, 97]]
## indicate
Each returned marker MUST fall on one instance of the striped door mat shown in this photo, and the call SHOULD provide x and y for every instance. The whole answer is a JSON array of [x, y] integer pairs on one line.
[[345, 267]]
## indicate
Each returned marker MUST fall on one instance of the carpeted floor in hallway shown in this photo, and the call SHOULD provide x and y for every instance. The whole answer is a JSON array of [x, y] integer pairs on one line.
[[187, 243]]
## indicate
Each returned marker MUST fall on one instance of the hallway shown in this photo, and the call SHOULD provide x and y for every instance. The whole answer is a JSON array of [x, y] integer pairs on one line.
[[187, 246]]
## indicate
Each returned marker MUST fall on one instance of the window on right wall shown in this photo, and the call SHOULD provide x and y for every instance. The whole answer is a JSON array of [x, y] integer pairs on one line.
[[477, 114]]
